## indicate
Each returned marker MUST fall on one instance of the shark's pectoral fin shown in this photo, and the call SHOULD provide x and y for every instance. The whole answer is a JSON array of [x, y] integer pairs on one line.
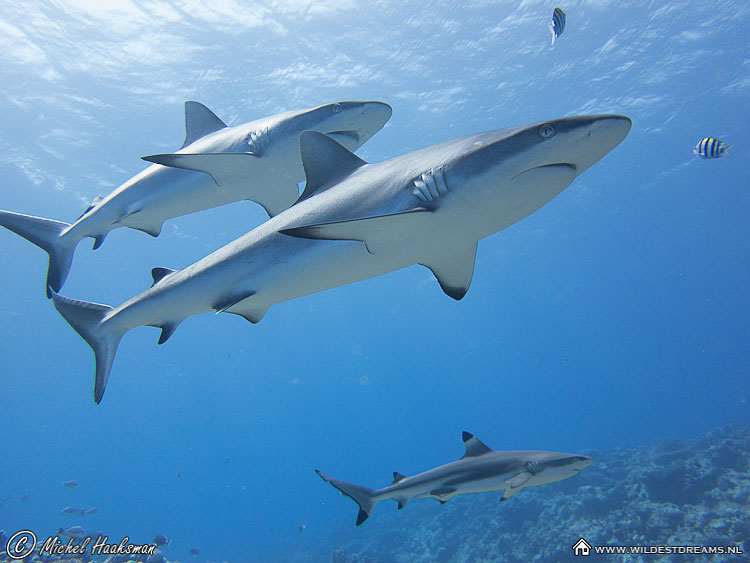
[[454, 272], [235, 170], [377, 233], [199, 122], [515, 484], [159, 274], [136, 219], [167, 330]]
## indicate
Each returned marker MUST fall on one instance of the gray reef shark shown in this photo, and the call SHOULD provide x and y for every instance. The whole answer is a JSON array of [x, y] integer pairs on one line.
[[257, 161], [355, 221], [479, 470]]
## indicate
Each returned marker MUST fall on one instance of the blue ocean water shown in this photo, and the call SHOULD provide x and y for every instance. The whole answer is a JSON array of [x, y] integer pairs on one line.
[[615, 316]]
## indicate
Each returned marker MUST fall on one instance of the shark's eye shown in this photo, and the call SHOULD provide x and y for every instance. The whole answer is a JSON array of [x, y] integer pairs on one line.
[[547, 130], [336, 108]]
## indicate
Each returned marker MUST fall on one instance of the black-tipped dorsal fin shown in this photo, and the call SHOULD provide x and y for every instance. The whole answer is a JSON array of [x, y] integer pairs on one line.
[[397, 477], [474, 446], [199, 122], [159, 274], [325, 162]]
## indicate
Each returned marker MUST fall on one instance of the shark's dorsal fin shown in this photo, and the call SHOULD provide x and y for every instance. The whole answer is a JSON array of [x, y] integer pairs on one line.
[[454, 271], [397, 477], [474, 446], [325, 162], [199, 122], [159, 274]]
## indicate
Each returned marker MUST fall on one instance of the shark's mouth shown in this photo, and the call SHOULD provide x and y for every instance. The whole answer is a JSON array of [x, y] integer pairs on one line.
[[345, 136], [552, 165]]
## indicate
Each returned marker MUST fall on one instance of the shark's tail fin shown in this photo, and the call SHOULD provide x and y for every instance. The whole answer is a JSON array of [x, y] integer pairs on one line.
[[47, 235], [87, 320], [363, 496]]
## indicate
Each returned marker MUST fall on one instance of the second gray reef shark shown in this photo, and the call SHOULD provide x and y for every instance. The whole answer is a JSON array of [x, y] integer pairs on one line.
[[356, 221], [216, 165], [480, 470]]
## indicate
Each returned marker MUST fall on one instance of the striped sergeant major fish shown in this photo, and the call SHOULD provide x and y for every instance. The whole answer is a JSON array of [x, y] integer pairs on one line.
[[557, 26], [708, 147]]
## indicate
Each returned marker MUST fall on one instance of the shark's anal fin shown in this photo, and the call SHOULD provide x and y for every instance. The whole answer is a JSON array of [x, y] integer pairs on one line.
[[325, 162], [454, 272], [199, 122], [235, 169], [159, 274], [515, 484], [377, 232], [474, 446], [402, 502]]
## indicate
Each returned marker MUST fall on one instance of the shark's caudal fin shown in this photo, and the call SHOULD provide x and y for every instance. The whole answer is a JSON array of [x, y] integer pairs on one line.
[[86, 318], [46, 234], [361, 495]]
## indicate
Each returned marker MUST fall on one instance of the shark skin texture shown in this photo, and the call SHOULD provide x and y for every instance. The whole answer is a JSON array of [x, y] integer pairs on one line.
[[356, 221], [480, 470], [216, 165]]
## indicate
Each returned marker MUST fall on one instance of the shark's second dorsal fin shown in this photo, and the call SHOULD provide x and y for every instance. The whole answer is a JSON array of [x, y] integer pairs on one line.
[[474, 446], [325, 162], [160, 273], [199, 122], [397, 477]]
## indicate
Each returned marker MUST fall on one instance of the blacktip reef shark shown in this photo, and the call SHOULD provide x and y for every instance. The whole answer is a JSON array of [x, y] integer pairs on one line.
[[257, 161], [355, 221], [480, 470]]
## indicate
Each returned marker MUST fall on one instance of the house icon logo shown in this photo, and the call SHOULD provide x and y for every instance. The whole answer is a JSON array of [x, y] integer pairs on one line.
[[582, 547]]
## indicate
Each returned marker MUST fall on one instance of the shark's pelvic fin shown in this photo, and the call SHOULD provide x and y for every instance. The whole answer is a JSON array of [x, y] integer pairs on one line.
[[199, 122], [443, 494], [454, 272], [49, 235], [361, 495], [325, 162], [231, 301], [136, 219], [97, 199], [159, 274], [375, 232], [515, 484], [474, 446], [402, 502], [237, 168], [86, 319]]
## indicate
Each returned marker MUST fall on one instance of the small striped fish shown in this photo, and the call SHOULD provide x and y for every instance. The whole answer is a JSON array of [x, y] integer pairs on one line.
[[708, 147], [558, 24]]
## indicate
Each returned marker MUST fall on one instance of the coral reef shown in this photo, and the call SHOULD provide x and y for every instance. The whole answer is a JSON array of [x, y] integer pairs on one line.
[[665, 494]]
